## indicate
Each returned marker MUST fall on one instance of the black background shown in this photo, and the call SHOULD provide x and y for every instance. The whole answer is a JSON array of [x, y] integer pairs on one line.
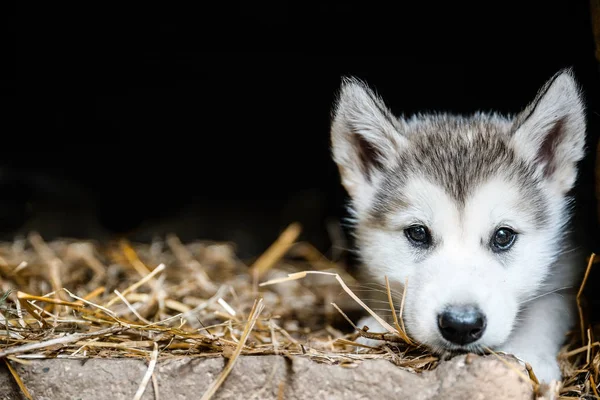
[[213, 121]]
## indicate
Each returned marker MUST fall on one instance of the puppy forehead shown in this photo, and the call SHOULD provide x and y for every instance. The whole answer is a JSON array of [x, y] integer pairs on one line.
[[500, 198], [460, 158]]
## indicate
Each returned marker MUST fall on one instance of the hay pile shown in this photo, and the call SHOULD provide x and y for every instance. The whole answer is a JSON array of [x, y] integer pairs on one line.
[[79, 299]]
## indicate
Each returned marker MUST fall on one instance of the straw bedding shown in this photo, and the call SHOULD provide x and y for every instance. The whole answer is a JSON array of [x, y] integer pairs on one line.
[[81, 299]]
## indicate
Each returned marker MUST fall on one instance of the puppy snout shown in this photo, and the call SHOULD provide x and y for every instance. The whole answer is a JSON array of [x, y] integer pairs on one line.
[[462, 324]]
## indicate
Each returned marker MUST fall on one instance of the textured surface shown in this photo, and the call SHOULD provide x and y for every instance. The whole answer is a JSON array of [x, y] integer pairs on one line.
[[263, 377]]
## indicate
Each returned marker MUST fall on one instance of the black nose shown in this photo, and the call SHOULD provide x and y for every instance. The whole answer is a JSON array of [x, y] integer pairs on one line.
[[462, 324]]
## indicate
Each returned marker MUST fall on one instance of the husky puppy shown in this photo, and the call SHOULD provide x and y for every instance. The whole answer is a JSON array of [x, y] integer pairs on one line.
[[473, 213]]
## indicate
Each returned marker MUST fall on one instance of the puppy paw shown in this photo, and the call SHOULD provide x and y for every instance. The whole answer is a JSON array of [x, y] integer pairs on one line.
[[545, 368]]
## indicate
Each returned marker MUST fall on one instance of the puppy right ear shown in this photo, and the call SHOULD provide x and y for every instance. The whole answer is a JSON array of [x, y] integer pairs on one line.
[[365, 137]]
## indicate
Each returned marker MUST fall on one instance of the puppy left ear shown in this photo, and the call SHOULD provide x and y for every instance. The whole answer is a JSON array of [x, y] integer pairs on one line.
[[550, 131]]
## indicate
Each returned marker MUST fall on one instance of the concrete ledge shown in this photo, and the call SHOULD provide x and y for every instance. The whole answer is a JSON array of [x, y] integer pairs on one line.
[[263, 377]]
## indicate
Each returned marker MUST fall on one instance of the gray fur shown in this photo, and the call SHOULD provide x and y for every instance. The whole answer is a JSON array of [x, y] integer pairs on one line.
[[442, 150]]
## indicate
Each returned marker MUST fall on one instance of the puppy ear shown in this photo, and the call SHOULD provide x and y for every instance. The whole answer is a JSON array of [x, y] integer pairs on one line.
[[365, 137], [550, 131]]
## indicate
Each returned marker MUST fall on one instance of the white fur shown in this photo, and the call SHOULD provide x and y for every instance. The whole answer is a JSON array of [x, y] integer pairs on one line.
[[516, 291]]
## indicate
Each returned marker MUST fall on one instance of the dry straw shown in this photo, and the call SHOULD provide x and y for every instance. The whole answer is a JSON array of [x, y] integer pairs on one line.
[[166, 299]]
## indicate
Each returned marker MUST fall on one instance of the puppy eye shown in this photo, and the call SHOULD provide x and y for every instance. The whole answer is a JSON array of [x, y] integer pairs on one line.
[[503, 239], [418, 235]]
